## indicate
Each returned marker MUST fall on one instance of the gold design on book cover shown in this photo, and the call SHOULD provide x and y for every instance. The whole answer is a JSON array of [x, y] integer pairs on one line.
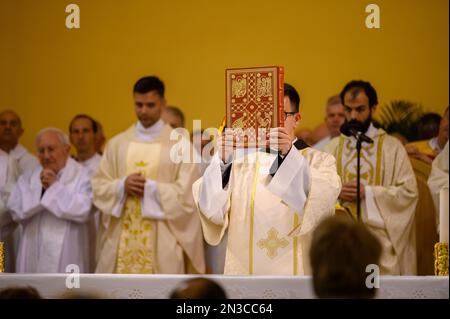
[[264, 121], [264, 87], [239, 87]]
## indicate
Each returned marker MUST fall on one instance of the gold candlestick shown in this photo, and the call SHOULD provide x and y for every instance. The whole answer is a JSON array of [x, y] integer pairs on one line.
[[441, 259], [2, 257]]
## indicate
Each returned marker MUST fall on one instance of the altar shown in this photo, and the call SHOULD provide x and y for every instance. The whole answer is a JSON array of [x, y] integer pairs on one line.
[[237, 287]]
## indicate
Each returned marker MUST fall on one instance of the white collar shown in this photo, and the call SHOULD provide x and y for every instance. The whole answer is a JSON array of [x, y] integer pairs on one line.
[[18, 151], [433, 143], [148, 134], [371, 131], [90, 160]]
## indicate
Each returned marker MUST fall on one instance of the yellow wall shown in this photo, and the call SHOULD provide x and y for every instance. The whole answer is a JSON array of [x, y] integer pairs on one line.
[[49, 73]]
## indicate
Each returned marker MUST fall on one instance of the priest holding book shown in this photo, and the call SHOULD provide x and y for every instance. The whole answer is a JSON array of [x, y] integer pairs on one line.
[[269, 199]]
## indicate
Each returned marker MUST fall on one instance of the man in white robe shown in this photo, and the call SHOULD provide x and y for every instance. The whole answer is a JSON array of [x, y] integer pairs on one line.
[[388, 184], [8, 176], [269, 201], [53, 204], [438, 178], [149, 222], [10, 132], [83, 133]]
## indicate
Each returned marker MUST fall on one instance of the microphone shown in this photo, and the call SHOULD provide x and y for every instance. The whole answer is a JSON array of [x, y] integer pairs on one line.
[[355, 129]]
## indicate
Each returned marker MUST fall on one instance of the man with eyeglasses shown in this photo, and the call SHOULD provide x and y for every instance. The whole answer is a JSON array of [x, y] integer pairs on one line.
[[270, 200]]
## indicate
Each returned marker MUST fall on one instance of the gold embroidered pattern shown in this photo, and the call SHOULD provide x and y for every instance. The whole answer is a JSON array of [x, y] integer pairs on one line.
[[371, 161], [137, 241], [367, 167], [272, 243], [295, 243], [252, 217], [137, 245]]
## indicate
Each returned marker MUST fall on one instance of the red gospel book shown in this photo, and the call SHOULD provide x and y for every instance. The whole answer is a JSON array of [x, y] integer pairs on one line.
[[255, 102]]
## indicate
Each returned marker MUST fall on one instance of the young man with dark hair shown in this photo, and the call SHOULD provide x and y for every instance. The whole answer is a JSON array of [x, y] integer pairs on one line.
[[388, 184], [149, 222]]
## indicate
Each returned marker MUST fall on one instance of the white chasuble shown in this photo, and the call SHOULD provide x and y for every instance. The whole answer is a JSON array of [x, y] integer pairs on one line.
[[390, 195], [159, 233]]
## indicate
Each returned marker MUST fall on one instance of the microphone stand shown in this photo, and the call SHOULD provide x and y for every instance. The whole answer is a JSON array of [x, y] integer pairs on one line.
[[358, 177], [355, 131]]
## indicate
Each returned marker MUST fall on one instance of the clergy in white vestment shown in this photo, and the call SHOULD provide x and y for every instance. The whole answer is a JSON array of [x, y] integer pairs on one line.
[[53, 204], [334, 118], [388, 184], [83, 130], [438, 178], [8, 175], [269, 200], [149, 222], [10, 132]]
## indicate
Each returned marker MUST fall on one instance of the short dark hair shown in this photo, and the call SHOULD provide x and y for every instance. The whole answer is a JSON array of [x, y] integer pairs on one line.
[[341, 249], [19, 293], [84, 116], [199, 288], [428, 126], [356, 86], [293, 95], [148, 84]]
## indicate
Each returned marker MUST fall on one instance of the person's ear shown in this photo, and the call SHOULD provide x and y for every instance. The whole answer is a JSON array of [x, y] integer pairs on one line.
[[21, 132], [297, 118], [67, 149]]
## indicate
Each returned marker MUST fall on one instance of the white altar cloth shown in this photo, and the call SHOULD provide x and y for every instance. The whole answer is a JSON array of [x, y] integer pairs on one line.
[[237, 287]]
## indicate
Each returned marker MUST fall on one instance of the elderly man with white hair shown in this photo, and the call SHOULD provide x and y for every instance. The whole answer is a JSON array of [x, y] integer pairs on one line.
[[54, 205]]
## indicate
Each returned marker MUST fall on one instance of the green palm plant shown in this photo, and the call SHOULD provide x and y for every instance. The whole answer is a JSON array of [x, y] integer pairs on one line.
[[400, 117]]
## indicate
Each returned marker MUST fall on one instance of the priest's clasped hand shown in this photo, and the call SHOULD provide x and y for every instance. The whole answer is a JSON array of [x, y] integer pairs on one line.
[[48, 177], [280, 140], [348, 191], [134, 185]]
